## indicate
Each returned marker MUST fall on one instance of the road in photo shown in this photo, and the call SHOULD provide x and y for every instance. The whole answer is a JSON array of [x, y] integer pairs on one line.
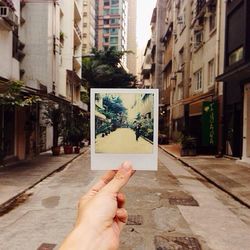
[[122, 140]]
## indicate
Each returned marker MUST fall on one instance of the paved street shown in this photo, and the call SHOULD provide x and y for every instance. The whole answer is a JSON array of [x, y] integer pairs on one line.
[[123, 140], [172, 208]]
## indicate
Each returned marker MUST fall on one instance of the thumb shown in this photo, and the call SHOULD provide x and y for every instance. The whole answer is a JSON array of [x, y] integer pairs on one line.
[[120, 179]]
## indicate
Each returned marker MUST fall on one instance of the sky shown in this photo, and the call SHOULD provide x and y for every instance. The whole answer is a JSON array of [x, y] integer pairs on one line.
[[144, 14]]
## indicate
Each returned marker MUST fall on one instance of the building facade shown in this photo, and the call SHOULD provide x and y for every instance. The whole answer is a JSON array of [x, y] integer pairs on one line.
[[46, 57], [89, 18], [111, 25], [12, 120], [236, 80], [131, 37], [188, 61]]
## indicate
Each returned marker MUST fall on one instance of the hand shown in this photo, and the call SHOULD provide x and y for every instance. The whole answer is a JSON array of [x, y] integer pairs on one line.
[[101, 213]]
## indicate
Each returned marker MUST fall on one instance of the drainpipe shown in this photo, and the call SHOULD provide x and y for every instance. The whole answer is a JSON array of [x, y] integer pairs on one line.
[[219, 85]]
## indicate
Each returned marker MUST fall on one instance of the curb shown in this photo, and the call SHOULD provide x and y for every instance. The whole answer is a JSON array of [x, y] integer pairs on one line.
[[210, 180], [9, 202]]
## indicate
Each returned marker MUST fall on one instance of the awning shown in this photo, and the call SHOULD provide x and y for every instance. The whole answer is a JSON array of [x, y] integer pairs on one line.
[[238, 74], [195, 98]]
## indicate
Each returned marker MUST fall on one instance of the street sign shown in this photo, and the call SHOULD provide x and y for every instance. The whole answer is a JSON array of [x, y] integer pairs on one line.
[[209, 123]]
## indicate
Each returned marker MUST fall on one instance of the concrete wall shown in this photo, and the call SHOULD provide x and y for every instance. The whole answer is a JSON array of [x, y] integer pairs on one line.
[[131, 58], [38, 38], [9, 66]]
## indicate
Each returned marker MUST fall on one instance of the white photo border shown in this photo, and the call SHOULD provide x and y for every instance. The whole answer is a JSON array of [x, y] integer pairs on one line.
[[106, 161]]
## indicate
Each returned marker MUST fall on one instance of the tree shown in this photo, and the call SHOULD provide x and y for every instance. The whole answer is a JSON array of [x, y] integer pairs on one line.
[[104, 70]]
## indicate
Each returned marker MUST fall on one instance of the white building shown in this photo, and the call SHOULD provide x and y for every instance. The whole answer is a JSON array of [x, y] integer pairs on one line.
[[89, 16], [11, 131]]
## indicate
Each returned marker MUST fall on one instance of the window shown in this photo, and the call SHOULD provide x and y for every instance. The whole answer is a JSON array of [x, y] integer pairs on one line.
[[236, 56], [114, 2], [105, 12], [106, 3], [105, 39], [105, 31], [15, 43], [181, 59], [114, 21], [180, 92], [106, 21], [114, 40], [198, 38], [181, 21], [114, 11], [114, 31], [198, 80], [211, 75]]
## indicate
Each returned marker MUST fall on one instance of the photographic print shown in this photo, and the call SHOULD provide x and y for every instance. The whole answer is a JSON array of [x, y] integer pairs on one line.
[[123, 123]]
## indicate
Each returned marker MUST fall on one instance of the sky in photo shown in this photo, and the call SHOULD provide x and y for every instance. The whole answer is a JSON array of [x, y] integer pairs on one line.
[[144, 14]]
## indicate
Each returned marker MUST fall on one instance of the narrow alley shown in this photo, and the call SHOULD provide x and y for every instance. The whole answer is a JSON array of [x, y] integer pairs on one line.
[[171, 208], [123, 140]]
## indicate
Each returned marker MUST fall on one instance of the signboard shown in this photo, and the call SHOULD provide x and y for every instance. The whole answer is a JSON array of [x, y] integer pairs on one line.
[[209, 123]]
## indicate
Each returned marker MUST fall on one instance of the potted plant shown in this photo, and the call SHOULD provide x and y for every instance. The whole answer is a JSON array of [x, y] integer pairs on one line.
[[62, 37], [67, 137], [188, 145], [54, 117]]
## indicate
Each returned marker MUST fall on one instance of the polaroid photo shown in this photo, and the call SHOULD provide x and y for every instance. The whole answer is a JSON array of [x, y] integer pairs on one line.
[[124, 127]]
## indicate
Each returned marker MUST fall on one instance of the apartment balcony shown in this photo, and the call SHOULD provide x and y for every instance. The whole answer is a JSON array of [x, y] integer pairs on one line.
[[8, 18], [77, 62], [77, 13], [77, 35]]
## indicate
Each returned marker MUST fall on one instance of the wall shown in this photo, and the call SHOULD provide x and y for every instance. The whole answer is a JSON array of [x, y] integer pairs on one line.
[[9, 66]]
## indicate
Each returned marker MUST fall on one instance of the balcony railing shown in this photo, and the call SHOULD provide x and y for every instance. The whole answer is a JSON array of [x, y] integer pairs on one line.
[[78, 31], [199, 6]]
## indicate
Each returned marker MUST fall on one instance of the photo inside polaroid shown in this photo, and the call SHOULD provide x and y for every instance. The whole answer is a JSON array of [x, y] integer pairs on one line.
[[124, 123]]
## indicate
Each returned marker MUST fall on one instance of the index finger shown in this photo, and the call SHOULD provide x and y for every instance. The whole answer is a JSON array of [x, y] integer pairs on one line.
[[120, 179]]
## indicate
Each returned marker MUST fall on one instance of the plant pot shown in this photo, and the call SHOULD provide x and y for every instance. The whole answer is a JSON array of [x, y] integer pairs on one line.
[[77, 150], [86, 143], [56, 150], [188, 152], [68, 149]]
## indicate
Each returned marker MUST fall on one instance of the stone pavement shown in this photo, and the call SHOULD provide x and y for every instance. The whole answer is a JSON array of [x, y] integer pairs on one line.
[[18, 178], [229, 175]]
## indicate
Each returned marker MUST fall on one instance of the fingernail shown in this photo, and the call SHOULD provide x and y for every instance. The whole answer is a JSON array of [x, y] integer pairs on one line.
[[127, 166]]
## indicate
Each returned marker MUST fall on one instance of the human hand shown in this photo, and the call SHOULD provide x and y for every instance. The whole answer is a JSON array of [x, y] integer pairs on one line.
[[101, 213]]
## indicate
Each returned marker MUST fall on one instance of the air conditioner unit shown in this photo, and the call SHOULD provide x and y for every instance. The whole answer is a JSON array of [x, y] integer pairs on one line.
[[9, 15], [4, 11]]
